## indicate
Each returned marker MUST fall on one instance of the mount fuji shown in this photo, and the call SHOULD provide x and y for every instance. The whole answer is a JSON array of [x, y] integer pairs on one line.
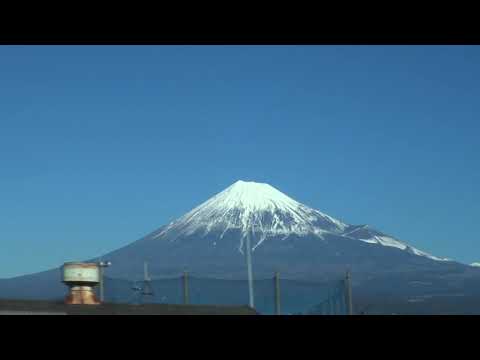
[[269, 214], [285, 236]]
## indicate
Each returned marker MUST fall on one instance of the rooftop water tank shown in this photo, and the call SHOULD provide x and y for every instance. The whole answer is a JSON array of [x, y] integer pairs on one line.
[[81, 277]]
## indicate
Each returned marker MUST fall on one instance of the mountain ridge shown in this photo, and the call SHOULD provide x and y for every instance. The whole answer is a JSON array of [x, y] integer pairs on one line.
[[298, 242], [267, 212]]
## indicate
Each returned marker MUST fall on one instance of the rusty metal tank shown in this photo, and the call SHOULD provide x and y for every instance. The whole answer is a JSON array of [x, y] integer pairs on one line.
[[81, 278]]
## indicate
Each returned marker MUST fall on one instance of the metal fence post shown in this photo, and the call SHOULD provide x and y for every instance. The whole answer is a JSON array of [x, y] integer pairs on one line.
[[338, 302], [186, 297], [101, 284], [348, 293], [277, 293]]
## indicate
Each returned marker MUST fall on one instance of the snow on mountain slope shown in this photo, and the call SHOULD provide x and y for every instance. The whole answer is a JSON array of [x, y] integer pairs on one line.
[[263, 211], [389, 241], [366, 234], [256, 207]]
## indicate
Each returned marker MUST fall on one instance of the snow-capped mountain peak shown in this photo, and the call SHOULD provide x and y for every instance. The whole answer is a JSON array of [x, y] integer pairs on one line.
[[252, 196], [261, 210], [257, 207]]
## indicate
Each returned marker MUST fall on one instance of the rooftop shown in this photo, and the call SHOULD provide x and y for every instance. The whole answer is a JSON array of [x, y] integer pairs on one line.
[[34, 307]]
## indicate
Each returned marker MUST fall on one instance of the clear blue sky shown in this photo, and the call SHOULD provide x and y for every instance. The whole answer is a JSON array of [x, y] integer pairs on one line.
[[100, 145]]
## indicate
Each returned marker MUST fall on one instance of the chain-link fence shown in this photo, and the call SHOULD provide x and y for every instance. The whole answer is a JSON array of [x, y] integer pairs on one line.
[[271, 296]]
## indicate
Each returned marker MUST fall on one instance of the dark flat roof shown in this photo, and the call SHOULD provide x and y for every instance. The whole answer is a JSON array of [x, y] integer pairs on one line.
[[33, 307]]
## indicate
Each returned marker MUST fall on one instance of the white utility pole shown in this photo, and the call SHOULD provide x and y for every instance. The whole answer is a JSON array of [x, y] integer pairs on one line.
[[249, 270]]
